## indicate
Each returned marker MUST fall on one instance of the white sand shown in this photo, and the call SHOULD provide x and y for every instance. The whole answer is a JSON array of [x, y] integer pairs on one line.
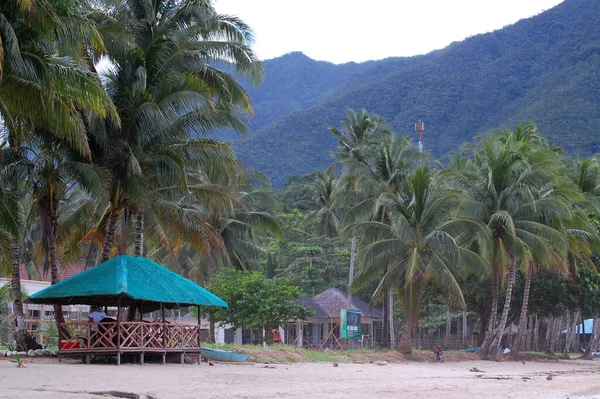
[[408, 380]]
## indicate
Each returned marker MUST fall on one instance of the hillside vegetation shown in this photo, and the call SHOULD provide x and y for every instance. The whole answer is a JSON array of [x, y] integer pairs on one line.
[[545, 69]]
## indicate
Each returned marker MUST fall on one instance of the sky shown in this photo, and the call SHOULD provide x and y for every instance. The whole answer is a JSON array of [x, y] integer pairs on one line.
[[349, 30]]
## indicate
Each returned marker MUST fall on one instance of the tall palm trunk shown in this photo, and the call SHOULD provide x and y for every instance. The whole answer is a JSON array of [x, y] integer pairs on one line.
[[464, 329], [351, 271], [524, 308], [385, 329], [536, 334], [109, 238], [489, 334], [139, 252], [15, 285], [509, 289], [139, 235], [52, 230], [448, 327], [405, 344], [391, 320]]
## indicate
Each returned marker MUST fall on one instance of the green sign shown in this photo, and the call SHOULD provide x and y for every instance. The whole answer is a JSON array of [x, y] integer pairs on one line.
[[350, 325]]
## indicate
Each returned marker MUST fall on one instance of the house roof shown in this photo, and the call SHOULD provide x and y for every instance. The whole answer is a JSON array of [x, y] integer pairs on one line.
[[331, 301], [130, 280], [309, 303], [65, 271]]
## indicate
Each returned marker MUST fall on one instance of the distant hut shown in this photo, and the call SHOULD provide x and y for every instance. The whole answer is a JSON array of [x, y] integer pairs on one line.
[[322, 329]]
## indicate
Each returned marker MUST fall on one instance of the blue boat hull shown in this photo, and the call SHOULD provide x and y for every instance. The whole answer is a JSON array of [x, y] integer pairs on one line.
[[222, 355]]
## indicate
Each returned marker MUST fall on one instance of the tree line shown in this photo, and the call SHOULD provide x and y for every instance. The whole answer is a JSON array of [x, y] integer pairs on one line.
[[507, 210]]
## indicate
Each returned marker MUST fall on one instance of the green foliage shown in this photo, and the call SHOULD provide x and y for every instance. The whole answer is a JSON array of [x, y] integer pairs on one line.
[[585, 294], [19, 362], [255, 301]]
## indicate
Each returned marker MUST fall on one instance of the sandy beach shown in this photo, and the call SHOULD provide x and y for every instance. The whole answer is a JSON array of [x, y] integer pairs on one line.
[[50, 380]]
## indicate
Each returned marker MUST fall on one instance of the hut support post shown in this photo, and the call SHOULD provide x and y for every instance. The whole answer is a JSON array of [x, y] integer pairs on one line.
[[119, 332], [164, 332], [199, 336], [60, 335]]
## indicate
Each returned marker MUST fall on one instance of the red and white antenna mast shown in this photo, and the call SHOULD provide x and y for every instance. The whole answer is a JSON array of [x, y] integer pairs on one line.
[[419, 127]]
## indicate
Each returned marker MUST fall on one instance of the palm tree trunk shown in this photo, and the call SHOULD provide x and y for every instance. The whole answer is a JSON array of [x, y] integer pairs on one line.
[[524, 308], [405, 344], [54, 271], [536, 335], [448, 327], [573, 339], [529, 333], [391, 321], [549, 322], [594, 339], [464, 330], [509, 289], [15, 285], [110, 236], [351, 271], [139, 235], [489, 334], [385, 329]]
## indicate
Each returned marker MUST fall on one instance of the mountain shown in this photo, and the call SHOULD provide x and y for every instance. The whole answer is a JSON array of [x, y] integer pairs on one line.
[[544, 69]]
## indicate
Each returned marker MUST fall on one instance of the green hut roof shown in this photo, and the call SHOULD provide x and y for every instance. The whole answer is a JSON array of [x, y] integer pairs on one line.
[[132, 280]]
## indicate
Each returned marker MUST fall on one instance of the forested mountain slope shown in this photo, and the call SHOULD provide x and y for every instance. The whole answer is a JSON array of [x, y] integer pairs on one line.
[[545, 69]]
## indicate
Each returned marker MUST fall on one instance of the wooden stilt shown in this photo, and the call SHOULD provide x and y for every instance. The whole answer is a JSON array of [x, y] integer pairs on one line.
[[142, 359], [181, 357], [119, 332], [199, 337], [164, 358], [88, 359]]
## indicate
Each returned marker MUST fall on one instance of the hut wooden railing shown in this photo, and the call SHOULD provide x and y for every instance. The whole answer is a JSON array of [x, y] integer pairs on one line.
[[134, 337]]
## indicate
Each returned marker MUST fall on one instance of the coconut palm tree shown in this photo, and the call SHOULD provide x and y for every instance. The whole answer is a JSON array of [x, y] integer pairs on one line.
[[422, 240], [503, 183], [322, 203], [167, 88]]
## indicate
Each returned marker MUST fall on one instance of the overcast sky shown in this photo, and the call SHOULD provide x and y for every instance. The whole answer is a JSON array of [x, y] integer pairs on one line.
[[351, 30]]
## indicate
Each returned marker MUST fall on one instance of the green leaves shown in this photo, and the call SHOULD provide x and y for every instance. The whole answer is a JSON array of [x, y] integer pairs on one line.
[[255, 301]]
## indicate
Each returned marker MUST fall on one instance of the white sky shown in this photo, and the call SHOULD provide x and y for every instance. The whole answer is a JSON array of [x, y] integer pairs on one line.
[[351, 30]]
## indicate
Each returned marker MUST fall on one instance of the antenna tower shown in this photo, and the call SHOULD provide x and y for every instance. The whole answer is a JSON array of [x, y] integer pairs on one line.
[[419, 127]]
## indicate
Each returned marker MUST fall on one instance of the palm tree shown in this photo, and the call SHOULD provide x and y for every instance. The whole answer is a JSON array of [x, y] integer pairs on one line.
[[167, 89], [503, 183], [322, 202], [420, 241], [11, 222], [42, 82], [356, 141]]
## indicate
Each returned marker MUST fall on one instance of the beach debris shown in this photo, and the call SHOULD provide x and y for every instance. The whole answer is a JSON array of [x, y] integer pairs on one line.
[[335, 364], [476, 370], [523, 361], [265, 366], [211, 364], [121, 394], [549, 377], [381, 363]]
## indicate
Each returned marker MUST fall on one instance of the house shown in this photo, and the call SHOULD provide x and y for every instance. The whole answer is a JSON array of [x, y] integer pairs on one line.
[[322, 330], [36, 315]]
